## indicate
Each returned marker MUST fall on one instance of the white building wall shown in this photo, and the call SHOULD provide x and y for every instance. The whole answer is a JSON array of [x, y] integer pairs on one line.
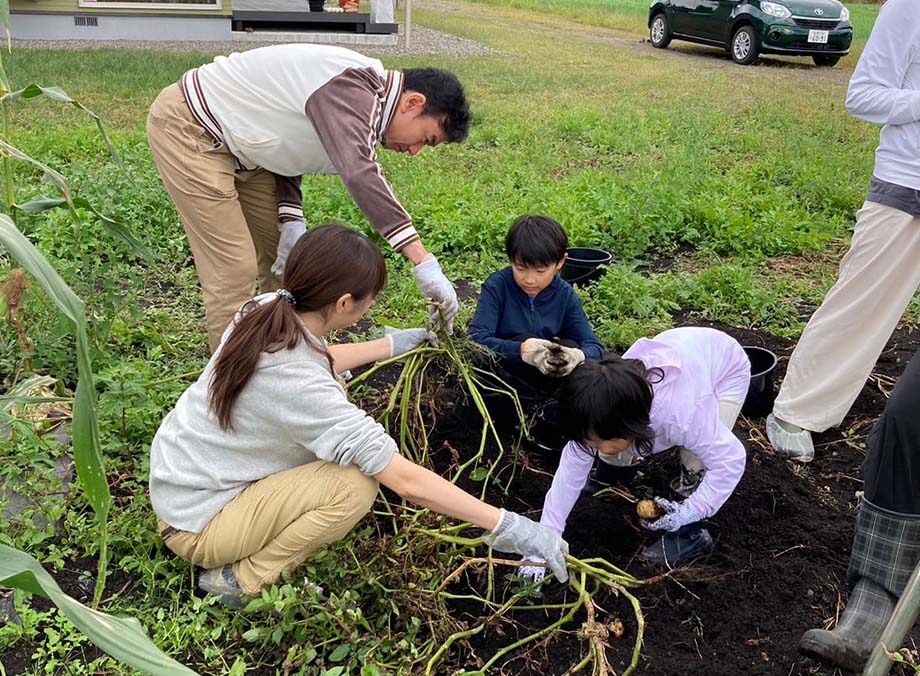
[[25, 26]]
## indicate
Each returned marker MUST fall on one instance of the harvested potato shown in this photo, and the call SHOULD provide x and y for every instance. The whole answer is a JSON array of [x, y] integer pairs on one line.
[[648, 510]]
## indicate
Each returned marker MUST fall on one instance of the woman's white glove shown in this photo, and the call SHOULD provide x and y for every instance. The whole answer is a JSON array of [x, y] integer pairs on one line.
[[549, 358], [433, 284], [290, 233], [676, 515], [403, 340], [535, 573], [519, 535]]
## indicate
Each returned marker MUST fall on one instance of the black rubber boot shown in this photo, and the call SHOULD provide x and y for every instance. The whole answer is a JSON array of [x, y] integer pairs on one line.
[[886, 549]]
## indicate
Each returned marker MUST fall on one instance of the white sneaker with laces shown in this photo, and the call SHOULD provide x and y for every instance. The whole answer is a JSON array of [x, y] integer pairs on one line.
[[795, 445]]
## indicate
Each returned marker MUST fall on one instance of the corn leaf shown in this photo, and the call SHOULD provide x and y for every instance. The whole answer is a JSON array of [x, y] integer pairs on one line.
[[59, 181], [86, 449], [22, 392], [123, 638], [115, 228], [58, 94]]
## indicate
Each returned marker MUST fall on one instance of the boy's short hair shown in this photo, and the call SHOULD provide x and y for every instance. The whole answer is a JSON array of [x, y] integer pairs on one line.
[[444, 95], [536, 241], [610, 398]]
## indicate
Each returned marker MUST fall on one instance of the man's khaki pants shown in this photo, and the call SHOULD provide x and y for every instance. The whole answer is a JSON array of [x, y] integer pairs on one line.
[[229, 216], [845, 336], [275, 524]]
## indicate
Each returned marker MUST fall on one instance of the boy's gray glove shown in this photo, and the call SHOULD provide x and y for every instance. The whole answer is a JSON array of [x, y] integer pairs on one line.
[[519, 535], [290, 233], [549, 358], [433, 284], [403, 340]]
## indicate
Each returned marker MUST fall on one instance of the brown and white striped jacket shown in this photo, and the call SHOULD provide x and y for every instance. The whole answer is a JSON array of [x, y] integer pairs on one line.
[[305, 109]]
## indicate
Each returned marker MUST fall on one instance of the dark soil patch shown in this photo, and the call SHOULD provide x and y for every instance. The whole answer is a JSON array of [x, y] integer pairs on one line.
[[779, 567]]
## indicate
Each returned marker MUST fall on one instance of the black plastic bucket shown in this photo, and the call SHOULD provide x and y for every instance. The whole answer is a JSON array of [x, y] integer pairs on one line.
[[760, 396], [316, 5], [584, 265]]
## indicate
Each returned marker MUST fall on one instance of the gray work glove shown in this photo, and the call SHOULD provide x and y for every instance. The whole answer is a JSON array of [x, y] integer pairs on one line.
[[433, 284], [290, 233], [519, 535], [403, 340], [549, 358], [676, 515]]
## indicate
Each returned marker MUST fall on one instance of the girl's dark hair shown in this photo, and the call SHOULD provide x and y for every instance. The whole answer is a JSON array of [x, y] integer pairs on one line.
[[610, 398], [325, 264], [535, 241]]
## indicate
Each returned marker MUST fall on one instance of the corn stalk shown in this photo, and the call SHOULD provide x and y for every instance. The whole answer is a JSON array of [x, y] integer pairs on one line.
[[87, 450]]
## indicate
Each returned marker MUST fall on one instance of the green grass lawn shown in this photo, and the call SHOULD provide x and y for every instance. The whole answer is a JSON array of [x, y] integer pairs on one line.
[[745, 180]]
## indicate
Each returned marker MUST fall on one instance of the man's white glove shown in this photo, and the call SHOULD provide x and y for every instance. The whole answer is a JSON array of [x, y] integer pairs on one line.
[[535, 573], [290, 233], [519, 535], [549, 358], [676, 515], [433, 284], [403, 340]]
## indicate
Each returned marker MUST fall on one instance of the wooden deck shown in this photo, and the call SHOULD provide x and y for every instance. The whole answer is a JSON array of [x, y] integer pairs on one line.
[[295, 15]]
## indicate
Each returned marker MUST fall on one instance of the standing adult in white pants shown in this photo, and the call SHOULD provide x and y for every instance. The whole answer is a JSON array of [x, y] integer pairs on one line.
[[880, 273]]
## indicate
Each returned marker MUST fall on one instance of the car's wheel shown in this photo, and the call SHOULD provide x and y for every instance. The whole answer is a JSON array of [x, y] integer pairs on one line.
[[744, 46], [822, 60], [660, 32]]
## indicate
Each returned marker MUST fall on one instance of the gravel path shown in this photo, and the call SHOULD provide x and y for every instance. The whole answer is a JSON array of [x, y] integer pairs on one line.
[[425, 42]]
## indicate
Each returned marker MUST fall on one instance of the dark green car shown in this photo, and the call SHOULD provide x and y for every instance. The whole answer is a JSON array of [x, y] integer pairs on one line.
[[748, 28]]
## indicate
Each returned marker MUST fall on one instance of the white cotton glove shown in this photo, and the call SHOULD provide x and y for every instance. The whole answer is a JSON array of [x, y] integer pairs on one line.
[[403, 340], [519, 535], [535, 573], [676, 514], [433, 284], [549, 358], [290, 233]]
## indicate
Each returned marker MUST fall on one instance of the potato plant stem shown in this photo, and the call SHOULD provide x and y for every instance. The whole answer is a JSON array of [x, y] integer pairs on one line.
[[533, 637]]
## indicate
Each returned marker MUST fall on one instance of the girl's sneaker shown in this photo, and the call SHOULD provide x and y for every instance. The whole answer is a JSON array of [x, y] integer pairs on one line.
[[682, 546]]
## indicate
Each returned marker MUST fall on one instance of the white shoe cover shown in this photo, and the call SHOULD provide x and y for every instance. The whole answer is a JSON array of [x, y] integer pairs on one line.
[[793, 445]]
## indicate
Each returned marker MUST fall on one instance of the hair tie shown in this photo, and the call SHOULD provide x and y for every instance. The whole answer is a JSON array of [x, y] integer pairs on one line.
[[287, 295]]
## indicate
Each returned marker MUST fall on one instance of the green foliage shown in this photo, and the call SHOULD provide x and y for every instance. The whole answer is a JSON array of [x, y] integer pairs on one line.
[[123, 638]]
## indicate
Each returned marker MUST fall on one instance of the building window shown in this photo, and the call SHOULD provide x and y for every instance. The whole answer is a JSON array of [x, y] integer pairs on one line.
[[151, 4]]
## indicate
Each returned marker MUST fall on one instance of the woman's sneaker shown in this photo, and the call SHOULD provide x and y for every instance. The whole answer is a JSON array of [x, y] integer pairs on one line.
[[221, 582]]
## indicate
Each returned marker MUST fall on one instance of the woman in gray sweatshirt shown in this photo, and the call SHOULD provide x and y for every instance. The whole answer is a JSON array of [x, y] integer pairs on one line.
[[264, 460]]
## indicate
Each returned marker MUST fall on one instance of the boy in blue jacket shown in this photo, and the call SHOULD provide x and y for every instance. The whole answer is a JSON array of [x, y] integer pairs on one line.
[[530, 317]]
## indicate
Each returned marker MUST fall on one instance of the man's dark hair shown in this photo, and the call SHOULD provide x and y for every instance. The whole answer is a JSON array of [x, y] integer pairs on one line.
[[536, 241], [444, 95], [610, 398]]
